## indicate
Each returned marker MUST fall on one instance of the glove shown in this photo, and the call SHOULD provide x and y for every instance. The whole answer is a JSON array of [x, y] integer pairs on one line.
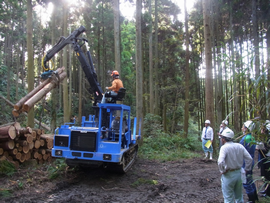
[[106, 88]]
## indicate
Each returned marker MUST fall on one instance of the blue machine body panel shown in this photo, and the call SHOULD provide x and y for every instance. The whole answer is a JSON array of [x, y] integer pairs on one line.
[[104, 139]]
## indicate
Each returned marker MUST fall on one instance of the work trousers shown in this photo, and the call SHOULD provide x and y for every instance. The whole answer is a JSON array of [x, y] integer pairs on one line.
[[231, 184], [205, 149], [250, 185], [265, 166]]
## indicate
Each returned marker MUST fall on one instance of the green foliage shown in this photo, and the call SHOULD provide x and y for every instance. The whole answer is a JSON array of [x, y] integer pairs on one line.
[[5, 193], [7, 168], [167, 147], [57, 169], [20, 185], [152, 125], [142, 181]]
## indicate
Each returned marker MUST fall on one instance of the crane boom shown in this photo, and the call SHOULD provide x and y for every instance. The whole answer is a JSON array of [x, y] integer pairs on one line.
[[87, 65]]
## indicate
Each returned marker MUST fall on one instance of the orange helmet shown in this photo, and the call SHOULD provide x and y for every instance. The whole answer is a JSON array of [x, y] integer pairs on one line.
[[115, 73]]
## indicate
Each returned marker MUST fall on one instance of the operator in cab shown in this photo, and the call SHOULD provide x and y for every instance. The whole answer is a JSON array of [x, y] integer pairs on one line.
[[116, 83]]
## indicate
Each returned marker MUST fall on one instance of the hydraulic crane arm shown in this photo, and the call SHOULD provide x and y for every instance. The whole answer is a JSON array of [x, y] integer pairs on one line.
[[87, 65]]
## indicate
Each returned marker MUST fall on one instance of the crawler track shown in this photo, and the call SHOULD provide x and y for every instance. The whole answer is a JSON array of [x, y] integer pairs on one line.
[[127, 161]]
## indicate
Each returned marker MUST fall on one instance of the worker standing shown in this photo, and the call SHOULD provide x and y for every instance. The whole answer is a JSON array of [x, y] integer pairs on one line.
[[116, 83], [207, 134], [264, 151], [230, 160], [223, 126], [248, 142]]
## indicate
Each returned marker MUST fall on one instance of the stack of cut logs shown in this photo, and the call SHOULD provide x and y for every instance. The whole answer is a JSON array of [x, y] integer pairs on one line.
[[19, 144]]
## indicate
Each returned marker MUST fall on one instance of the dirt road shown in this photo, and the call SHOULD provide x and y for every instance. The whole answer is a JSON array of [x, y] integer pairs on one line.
[[187, 181]]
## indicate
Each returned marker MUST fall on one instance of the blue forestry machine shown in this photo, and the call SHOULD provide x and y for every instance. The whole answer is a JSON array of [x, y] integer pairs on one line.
[[106, 138]]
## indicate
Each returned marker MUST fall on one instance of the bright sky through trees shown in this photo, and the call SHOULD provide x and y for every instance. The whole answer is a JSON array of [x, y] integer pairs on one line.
[[128, 9]]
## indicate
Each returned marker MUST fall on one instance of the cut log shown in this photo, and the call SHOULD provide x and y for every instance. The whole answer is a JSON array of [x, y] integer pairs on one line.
[[35, 154], [49, 145], [13, 151], [9, 131], [22, 142], [16, 113], [37, 130], [31, 145], [40, 156], [7, 145], [26, 148], [20, 103], [42, 142], [28, 156], [27, 130], [18, 155], [34, 134], [41, 93], [45, 157], [47, 137], [22, 159], [6, 154], [42, 151], [17, 126], [37, 144], [29, 138]]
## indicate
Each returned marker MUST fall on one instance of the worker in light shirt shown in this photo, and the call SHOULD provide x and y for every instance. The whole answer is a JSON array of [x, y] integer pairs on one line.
[[223, 126], [207, 134], [230, 161]]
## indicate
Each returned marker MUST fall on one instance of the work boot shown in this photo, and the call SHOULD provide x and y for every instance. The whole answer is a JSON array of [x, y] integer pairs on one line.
[[206, 154], [211, 156], [252, 197]]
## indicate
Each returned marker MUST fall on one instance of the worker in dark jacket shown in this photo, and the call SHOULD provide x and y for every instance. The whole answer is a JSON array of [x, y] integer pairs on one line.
[[264, 151], [116, 83], [248, 142]]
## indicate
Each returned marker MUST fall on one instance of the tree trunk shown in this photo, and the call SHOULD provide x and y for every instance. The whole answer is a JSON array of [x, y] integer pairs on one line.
[[151, 88], [30, 72], [156, 93], [209, 101], [268, 62], [186, 117], [235, 89], [139, 74], [65, 84], [117, 53], [54, 91]]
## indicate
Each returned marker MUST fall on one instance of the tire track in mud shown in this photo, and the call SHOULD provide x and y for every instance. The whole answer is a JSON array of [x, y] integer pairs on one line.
[[186, 181]]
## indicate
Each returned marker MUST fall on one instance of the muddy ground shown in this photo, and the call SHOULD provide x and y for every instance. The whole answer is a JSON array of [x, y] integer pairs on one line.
[[195, 180]]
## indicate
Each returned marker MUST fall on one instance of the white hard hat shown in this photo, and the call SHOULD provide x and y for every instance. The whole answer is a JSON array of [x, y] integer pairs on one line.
[[225, 122], [268, 127], [228, 133], [249, 125], [207, 121]]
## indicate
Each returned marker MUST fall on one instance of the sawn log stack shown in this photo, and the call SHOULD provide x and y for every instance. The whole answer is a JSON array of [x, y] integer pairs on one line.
[[18, 144]]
